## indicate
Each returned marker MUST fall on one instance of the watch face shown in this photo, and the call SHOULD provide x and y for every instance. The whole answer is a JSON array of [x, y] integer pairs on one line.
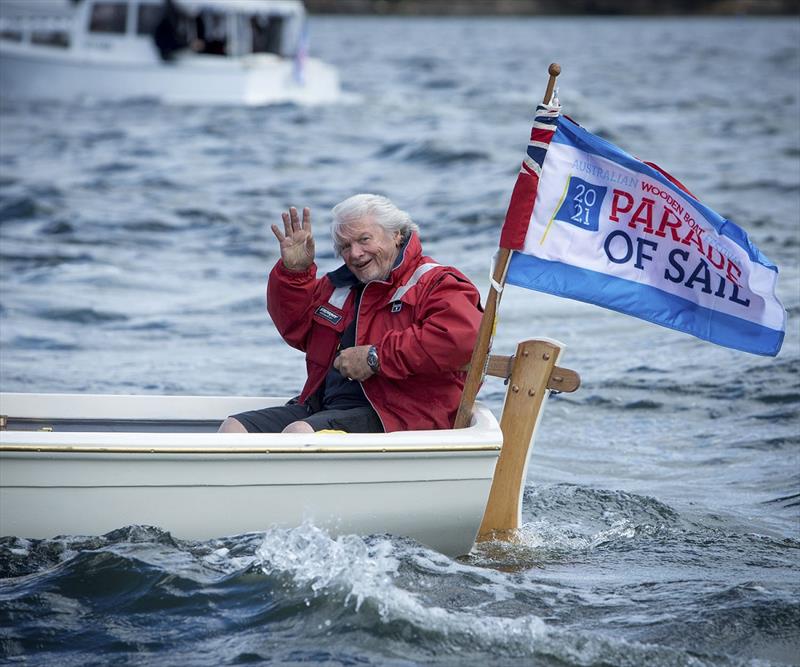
[[372, 358]]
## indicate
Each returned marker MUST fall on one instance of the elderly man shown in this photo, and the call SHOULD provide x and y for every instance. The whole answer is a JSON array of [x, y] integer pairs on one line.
[[384, 335]]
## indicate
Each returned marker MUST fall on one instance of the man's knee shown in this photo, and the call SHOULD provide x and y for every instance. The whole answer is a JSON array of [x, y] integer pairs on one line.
[[231, 425], [298, 427]]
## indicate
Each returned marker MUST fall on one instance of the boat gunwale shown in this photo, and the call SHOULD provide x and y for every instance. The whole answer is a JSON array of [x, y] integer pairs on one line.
[[482, 436], [285, 449]]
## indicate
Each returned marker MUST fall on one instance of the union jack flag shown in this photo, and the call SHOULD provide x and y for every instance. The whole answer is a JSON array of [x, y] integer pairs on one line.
[[545, 124]]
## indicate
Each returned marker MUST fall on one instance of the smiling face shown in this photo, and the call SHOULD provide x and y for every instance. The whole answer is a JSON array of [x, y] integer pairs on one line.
[[368, 250]]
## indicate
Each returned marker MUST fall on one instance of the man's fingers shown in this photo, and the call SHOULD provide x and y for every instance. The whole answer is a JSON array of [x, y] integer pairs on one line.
[[291, 221], [352, 363], [281, 238], [340, 364], [295, 219]]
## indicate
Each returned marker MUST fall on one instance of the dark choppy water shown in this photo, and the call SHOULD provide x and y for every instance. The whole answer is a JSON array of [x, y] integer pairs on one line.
[[662, 509]]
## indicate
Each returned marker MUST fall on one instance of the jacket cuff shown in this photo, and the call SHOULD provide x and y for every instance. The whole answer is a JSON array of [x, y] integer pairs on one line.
[[281, 269]]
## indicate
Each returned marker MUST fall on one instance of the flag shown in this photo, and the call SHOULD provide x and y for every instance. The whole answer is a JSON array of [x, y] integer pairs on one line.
[[588, 221], [301, 57]]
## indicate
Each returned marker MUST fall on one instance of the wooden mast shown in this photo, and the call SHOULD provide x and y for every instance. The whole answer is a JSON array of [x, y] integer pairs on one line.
[[483, 345]]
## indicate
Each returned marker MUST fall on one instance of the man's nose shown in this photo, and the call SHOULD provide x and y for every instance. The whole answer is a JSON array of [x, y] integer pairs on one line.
[[356, 251]]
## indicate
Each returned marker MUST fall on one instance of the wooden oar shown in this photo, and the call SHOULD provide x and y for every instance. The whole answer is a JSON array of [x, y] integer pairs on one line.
[[483, 345]]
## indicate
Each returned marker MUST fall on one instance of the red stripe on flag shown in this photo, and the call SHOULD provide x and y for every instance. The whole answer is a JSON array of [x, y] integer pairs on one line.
[[518, 216], [542, 135]]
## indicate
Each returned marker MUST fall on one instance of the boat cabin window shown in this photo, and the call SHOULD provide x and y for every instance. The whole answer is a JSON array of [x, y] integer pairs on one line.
[[58, 38], [267, 32], [212, 33], [109, 17], [148, 18]]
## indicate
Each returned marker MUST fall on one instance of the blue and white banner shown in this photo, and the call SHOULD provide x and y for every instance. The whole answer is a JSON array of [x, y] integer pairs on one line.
[[603, 227]]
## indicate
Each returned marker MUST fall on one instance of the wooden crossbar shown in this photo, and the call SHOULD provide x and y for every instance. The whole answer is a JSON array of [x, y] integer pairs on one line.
[[561, 379]]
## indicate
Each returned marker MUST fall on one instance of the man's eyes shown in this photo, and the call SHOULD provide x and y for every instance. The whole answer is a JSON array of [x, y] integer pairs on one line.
[[361, 240]]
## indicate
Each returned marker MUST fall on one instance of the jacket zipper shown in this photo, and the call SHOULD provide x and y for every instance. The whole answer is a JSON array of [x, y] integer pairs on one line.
[[363, 388]]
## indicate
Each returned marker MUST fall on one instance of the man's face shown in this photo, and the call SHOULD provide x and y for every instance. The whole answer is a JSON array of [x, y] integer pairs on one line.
[[368, 250]]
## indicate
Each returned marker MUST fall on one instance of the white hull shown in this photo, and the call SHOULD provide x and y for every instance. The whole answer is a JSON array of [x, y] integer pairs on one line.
[[192, 79], [429, 485], [256, 54]]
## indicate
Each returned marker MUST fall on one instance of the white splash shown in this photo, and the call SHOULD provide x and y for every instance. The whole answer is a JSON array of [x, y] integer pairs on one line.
[[366, 573]]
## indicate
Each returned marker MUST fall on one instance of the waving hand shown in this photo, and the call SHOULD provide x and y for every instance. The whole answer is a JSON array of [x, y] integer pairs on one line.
[[297, 241]]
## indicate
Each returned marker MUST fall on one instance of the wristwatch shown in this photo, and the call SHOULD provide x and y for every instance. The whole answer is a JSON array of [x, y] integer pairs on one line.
[[372, 359]]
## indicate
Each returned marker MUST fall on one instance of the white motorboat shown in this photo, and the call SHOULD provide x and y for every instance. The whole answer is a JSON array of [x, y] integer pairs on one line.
[[228, 52], [86, 465]]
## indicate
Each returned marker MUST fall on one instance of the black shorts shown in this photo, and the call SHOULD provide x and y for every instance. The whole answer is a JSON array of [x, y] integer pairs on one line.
[[273, 420]]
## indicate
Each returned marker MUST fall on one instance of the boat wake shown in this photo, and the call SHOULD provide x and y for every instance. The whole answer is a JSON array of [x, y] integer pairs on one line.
[[370, 575], [396, 589], [283, 592]]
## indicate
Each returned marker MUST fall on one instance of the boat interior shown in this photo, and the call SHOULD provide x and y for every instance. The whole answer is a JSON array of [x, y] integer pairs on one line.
[[111, 425], [149, 417]]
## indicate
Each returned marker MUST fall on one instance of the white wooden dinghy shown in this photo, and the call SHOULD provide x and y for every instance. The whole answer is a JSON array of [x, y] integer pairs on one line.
[[87, 464]]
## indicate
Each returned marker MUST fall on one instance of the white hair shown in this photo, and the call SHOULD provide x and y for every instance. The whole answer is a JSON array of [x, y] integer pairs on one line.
[[379, 208]]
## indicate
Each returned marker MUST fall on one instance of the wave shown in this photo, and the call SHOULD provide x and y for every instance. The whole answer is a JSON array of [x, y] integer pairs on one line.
[[153, 226], [41, 343], [767, 383], [203, 216], [114, 167], [40, 260], [430, 152], [562, 522], [80, 315], [21, 208], [293, 594], [383, 582], [57, 228]]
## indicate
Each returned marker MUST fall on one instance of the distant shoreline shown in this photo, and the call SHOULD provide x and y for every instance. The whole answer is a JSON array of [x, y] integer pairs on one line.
[[554, 7]]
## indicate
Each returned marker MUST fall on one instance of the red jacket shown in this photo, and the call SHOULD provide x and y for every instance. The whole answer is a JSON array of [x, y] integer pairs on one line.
[[424, 321]]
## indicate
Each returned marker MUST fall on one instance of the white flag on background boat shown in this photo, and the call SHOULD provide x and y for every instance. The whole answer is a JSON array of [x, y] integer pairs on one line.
[[589, 222]]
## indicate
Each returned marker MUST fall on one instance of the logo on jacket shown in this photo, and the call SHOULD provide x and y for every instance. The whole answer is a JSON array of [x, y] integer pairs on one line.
[[329, 315], [397, 306]]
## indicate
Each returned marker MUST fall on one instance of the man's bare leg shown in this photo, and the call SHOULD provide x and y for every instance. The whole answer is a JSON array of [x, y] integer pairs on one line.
[[231, 425], [298, 427]]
